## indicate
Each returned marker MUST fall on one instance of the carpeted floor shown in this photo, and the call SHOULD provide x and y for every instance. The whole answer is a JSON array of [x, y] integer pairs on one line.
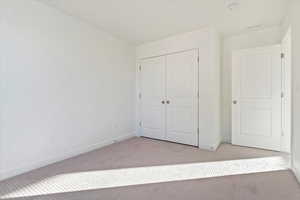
[[49, 183]]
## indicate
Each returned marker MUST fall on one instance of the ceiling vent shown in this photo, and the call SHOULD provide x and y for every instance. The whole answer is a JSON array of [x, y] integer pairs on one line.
[[232, 4]]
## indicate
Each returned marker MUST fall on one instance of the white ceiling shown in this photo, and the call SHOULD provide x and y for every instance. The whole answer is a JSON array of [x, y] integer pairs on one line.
[[140, 21]]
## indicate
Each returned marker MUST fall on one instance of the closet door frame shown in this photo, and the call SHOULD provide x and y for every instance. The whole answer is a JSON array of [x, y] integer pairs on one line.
[[139, 90]]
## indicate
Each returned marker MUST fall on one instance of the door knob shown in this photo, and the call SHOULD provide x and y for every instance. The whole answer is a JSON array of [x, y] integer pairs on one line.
[[163, 102], [235, 102], [168, 102]]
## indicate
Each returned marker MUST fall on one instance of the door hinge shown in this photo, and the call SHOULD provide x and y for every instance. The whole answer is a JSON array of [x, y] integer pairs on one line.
[[198, 95], [198, 59], [282, 95], [140, 95], [140, 124], [198, 130], [140, 68], [282, 55]]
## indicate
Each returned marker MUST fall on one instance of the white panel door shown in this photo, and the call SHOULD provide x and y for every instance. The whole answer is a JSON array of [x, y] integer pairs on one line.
[[256, 98], [153, 96], [182, 100]]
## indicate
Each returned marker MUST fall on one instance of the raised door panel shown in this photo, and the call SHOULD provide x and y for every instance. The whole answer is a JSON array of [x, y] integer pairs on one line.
[[256, 76]]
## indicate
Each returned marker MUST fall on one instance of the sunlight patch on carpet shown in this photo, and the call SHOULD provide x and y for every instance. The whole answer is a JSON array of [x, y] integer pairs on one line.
[[82, 181]]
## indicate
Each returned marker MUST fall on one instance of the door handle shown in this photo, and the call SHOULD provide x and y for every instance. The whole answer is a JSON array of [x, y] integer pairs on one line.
[[168, 102], [163, 102], [234, 102]]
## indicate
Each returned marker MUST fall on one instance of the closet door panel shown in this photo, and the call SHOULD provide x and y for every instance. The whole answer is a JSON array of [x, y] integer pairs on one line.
[[153, 94], [182, 100]]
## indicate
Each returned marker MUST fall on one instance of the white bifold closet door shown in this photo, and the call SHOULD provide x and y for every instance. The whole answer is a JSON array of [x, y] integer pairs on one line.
[[153, 97], [181, 94], [169, 89]]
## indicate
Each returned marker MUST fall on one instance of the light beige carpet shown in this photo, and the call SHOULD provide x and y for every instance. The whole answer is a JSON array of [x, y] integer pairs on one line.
[[77, 173]]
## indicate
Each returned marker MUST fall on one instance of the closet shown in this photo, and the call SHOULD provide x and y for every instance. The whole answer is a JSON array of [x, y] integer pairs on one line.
[[179, 89], [169, 101]]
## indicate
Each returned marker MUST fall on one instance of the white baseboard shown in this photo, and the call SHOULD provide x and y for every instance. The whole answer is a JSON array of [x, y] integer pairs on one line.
[[213, 147], [75, 151], [296, 170]]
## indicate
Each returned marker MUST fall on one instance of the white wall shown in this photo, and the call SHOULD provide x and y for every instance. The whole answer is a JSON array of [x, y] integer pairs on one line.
[[295, 24], [264, 37], [66, 87]]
